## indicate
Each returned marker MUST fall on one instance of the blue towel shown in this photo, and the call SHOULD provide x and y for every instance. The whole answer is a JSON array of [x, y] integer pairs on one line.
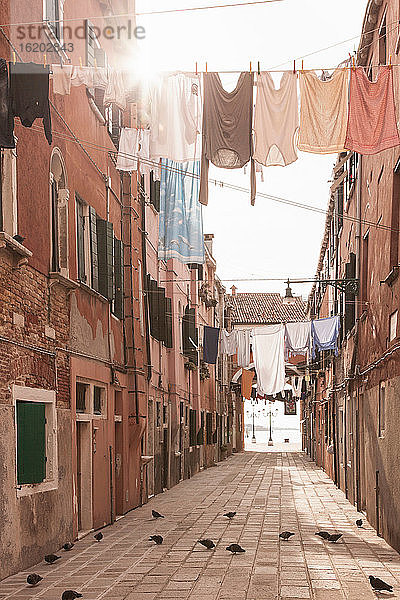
[[181, 221], [325, 334], [210, 344]]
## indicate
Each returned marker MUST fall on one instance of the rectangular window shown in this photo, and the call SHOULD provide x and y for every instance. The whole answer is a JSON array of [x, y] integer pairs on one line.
[[82, 404], [200, 433], [98, 394], [36, 440], [393, 326], [381, 409], [53, 16], [31, 442], [209, 428], [158, 414], [80, 240], [192, 427], [349, 296]]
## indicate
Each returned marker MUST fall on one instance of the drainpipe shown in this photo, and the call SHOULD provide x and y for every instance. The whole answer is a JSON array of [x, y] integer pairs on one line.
[[357, 312], [144, 285]]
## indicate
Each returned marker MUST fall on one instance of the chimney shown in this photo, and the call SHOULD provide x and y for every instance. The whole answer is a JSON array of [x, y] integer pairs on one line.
[[208, 240], [233, 288]]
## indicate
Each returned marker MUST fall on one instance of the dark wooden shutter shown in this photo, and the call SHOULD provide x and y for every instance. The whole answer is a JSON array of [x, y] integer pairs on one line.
[[31, 442], [105, 249], [350, 306], [116, 124], [153, 296], [53, 16], [118, 279], [94, 260], [154, 192], [169, 319], [80, 241]]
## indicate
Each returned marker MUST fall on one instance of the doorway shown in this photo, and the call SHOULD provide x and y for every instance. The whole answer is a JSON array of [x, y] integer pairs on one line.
[[84, 475]]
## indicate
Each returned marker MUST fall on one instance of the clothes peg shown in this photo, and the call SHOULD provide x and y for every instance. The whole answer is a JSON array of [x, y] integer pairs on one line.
[[302, 65], [258, 68], [196, 68], [294, 66], [390, 61], [80, 62], [14, 58], [206, 68], [44, 59], [250, 66]]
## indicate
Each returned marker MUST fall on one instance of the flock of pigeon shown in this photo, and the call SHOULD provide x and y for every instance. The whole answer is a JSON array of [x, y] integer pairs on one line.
[[34, 579]]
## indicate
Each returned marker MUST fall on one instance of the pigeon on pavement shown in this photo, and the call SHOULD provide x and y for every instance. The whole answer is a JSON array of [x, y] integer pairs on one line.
[[334, 537], [51, 558], [158, 539], [207, 543], [230, 515], [99, 536], [157, 515], [323, 534], [68, 546], [33, 579], [70, 595], [379, 585], [235, 548], [285, 535], [359, 522]]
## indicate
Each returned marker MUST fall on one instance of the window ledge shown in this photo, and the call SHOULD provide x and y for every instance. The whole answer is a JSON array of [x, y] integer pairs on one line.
[[7, 241], [392, 275], [27, 489], [93, 292], [62, 280]]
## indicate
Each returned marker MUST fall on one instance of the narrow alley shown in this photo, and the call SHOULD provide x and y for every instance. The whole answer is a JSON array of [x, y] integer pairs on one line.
[[271, 492]]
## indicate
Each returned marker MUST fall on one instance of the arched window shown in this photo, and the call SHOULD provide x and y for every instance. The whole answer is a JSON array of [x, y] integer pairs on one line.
[[59, 195]]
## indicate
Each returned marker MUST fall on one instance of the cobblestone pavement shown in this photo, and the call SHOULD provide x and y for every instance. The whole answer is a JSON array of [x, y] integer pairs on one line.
[[270, 492]]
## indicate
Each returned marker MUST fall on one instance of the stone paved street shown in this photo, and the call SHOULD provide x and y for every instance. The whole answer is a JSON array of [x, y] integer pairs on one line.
[[270, 492]]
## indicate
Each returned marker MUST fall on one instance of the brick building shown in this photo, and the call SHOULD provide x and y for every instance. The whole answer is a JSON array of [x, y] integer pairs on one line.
[[104, 398], [355, 395]]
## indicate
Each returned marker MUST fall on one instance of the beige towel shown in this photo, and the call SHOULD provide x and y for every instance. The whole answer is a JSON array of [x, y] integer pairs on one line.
[[61, 79], [323, 112]]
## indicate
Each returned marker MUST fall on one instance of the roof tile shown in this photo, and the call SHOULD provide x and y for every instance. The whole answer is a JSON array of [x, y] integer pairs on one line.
[[264, 309]]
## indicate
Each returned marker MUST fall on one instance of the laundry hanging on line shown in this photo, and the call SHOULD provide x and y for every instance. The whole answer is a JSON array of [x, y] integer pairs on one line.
[[134, 151], [372, 124], [247, 382], [325, 333], [180, 221], [227, 128], [298, 338], [269, 358]]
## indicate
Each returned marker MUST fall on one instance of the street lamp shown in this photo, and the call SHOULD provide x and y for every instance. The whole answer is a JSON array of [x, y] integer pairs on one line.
[[350, 286], [271, 414], [253, 439]]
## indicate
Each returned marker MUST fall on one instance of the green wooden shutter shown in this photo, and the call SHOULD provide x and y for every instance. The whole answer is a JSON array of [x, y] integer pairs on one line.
[[169, 317], [93, 248], [105, 248], [118, 279], [162, 315], [31, 442], [153, 292], [80, 240]]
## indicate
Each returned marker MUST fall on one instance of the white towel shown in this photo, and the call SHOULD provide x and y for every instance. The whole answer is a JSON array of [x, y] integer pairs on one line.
[[243, 347], [269, 360]]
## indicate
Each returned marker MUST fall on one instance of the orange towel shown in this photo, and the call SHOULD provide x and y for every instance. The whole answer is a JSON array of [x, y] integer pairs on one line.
[[247, 381]]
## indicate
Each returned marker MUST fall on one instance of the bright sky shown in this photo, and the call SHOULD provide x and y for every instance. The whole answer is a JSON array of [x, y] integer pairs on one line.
[[269, 240]]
